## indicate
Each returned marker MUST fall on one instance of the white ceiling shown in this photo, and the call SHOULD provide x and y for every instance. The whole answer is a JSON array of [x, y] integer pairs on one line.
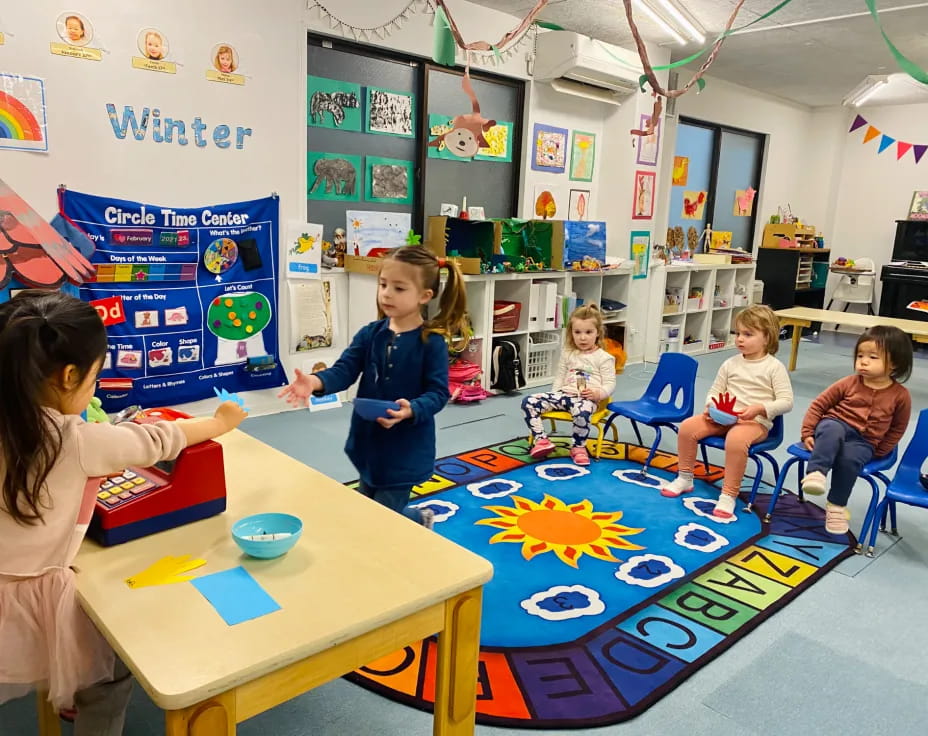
[[814, 63]]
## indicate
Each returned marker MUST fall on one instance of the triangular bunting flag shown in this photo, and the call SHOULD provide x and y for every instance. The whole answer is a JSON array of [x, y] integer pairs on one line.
[[902, 149], [870, 134], [919, 151], [858, 122], [885, 142]]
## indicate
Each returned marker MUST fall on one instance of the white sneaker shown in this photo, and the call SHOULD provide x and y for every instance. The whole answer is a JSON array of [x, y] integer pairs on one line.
[[814, 483], [677, 487], [428, 518], [725, 506]]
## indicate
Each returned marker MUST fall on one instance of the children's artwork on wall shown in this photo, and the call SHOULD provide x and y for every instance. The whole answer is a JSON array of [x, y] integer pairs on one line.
[[584, 242], [154, 49], [548, 201], [582, 156], [333, 176], [466, 136], [334, 104], [579, 205], [649, 145], [549, 148], [390, 113], [224, 61], [720, 239], [373, 233], [681, 170], [304, 250], [693, 205], [744, 202], [643, 207], [918, 210], [498, 139], [639, 249], [448, 209], [310, 316], [22, 113], [389, 180]]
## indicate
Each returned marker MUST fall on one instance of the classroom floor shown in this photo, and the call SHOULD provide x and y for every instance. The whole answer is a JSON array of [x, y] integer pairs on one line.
[[846, 656]]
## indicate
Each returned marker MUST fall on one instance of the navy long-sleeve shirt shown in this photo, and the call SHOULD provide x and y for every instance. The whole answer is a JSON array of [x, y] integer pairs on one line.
[[411, 369]]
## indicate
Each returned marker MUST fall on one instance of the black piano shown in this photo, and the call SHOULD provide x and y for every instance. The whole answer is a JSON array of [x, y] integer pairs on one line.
[[904, 284]]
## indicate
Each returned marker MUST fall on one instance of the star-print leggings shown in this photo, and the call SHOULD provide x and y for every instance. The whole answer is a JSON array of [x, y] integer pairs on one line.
[[580, 409]]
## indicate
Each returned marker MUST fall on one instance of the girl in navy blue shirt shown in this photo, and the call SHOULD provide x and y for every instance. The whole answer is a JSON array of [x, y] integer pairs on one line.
[[401, 357]]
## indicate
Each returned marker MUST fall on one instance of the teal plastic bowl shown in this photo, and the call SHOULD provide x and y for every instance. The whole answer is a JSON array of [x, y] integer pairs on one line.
[[255, 534], [722, 417]]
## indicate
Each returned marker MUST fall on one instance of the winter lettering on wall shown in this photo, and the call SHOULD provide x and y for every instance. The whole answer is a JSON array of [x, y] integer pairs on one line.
[[140, 123], [189, 297]]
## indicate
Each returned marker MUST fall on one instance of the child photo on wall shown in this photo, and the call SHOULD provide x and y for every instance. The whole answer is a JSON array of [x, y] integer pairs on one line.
[[74, 29]]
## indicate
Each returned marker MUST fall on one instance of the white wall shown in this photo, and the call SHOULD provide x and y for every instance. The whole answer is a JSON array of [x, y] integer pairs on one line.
[[874, 190]]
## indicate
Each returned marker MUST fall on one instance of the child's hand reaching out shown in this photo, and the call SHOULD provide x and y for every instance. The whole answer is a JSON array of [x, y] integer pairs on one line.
[[396, 416], [298, 393]]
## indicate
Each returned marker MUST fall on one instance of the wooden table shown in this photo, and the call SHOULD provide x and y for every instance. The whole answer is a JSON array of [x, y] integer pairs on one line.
[[799, 317], [361, 583]]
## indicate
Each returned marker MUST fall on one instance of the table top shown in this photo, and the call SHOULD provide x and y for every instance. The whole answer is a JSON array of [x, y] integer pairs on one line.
[[910, 326], [357, 566]]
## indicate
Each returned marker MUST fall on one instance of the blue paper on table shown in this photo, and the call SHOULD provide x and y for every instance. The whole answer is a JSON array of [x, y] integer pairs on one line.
[[371, 409], [226, 396], [235, 595]]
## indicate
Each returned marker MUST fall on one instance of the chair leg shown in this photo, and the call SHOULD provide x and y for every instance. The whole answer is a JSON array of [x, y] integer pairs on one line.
[[705, 459], [880, 513], [800, 474], [893, 529], [830, 302], [637, 432], [758, 474], [781, 479], [870, 309], [871, 512], [653, 452]]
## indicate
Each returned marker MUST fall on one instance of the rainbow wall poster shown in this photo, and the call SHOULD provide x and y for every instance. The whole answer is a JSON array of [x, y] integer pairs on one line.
[[22, 113]]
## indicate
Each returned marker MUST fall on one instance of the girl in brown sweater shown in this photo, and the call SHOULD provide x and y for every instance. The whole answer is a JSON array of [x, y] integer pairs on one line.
[[858, 418]]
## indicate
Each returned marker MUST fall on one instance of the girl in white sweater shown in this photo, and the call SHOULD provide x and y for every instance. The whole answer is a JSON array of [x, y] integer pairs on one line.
[[585, 376], [762, 390]]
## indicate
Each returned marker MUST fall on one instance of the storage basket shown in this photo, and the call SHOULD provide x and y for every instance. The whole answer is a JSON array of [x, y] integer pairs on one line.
[[506, 316], [540, 364]]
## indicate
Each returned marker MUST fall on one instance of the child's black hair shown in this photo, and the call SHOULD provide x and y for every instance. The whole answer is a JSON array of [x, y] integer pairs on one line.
[[895, 346], [41, 333]]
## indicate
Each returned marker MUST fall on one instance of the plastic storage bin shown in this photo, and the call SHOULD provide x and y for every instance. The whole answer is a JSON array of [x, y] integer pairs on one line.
[[819, 274]]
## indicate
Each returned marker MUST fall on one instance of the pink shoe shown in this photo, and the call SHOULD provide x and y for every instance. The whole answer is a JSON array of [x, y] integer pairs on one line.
[[542, 448], [579, 455]]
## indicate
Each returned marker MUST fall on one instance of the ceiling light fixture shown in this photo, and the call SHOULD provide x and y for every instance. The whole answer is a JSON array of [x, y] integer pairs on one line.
[[664, 25], [679, 14], [866, 89]]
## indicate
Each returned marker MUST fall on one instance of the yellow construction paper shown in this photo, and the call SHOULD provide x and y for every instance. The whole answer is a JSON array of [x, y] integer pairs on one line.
[[165, 571]]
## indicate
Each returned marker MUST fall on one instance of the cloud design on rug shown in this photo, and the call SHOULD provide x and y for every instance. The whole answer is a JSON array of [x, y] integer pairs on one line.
[[562, 602], [443, 510], [649, 571], [560, 471], [698, 537], [703, 507], [494, 488], [634, 476]]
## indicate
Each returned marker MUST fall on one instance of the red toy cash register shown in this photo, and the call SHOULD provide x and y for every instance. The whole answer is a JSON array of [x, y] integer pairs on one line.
[[142, 501]]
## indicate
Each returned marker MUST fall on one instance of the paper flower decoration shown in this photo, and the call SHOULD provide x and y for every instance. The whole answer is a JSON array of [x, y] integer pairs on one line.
[[413, 238]]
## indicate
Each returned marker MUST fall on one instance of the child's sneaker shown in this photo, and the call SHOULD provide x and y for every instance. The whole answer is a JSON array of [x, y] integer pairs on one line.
[[724, 507], [579, 455], [428, 518], [814, 483], [542, 448], [677, 487], [836, 519]]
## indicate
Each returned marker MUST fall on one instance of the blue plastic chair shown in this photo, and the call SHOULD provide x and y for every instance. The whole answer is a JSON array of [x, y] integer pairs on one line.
[[667, 400], [871, 472], [906, 486], [756, 452]]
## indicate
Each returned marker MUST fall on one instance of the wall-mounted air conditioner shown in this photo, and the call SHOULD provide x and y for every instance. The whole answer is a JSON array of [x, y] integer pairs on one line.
[[576, 64]]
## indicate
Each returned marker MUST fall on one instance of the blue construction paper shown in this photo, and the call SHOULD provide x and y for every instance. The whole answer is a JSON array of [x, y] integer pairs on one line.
[[236, 595]]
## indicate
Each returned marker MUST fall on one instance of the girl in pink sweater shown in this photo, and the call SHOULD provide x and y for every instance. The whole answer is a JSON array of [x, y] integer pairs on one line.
[[52, 347], [858, 418]]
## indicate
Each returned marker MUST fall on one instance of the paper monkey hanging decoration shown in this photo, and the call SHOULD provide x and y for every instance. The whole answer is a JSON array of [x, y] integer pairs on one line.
[[466, 135]]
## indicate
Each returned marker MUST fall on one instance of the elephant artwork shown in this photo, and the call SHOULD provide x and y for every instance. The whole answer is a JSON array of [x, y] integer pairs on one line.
[[339, 175], [331, 102]]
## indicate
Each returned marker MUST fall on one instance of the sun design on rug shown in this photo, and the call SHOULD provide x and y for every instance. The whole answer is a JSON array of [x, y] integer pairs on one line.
[[553, 526]]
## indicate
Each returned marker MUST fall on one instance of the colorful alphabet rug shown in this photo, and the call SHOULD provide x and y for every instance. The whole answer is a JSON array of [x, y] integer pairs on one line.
[[606, 595]]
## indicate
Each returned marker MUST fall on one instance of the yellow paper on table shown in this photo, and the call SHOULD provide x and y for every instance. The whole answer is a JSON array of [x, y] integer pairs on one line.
[[165, 571]]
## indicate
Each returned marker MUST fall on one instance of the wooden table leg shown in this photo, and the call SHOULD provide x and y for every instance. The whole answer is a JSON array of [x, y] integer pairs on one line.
[[456, 671], [49, 722], [797, 335], [213, 717]]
